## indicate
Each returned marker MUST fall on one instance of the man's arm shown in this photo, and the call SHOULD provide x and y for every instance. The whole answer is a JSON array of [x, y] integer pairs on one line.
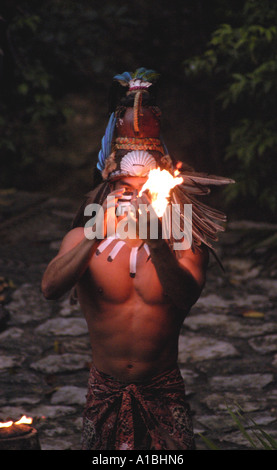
[[68, 266], [183, 279], [64, 271]]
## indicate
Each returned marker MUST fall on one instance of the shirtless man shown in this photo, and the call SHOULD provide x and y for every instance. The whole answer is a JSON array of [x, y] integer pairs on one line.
[[136, 396], [133, 323]]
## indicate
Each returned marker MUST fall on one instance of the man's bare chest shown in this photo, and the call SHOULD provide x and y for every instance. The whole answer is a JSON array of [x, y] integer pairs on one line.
[[120, 271]]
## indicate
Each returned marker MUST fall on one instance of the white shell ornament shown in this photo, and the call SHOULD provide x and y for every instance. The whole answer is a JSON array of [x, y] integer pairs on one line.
[[137, 163]]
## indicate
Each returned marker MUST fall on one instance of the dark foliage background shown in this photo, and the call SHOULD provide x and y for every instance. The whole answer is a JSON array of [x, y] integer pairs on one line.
[[217, 90]]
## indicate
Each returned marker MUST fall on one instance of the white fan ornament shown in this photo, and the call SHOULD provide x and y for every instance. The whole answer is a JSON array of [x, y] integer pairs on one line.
[[137, 163]]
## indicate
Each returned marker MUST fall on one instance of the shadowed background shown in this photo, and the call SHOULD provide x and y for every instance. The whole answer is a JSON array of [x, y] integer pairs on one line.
[[217, 90], [217, 93]]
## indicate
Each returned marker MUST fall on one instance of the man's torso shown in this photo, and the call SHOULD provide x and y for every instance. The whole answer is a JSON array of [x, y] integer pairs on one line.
[[133, 326]]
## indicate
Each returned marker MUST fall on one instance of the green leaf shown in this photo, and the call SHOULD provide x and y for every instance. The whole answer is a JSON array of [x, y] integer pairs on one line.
[[242, 428], [270, 439], [209, 443], [23, 89]]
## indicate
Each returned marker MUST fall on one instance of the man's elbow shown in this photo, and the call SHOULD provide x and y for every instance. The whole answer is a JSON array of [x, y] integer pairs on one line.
[[48, 290]]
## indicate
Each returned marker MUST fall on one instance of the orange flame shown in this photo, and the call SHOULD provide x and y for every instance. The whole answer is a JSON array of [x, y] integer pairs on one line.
[[6, 425], [23, 420], [159, 183]]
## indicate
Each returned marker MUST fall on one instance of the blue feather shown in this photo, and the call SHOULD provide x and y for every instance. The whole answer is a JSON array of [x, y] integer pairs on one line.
[[123, 77], [146, 74], [127, 75], [141, 73], [106, 143], [163, 144]]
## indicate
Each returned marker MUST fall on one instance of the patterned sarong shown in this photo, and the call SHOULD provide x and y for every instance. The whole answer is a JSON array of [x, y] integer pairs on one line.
[[152, 415]]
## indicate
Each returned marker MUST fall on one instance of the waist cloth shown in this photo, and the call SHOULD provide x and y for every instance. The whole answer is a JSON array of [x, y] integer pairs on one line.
[[150, 415]]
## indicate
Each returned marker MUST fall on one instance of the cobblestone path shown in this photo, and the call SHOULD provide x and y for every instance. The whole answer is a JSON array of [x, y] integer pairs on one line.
[[227, 350]]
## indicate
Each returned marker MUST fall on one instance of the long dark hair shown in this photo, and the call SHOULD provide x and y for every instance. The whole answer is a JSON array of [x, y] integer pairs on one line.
[[97, 195]]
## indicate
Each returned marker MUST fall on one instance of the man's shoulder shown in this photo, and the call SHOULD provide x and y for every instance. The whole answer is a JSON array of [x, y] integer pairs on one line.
[[72, 238], [198, 254], [196, 262], [74, 234]]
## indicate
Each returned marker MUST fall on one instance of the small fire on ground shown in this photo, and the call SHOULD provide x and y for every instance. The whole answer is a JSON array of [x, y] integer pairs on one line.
[[23, 420]]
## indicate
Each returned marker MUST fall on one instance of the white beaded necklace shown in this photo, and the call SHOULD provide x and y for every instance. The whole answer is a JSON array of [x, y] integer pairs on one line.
[[116, 249]]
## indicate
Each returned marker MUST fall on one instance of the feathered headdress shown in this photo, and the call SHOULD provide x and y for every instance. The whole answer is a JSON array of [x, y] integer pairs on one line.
[[132, 145], [138, 128]]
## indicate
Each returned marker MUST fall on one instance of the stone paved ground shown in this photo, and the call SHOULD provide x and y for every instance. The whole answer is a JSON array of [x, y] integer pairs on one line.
[[228, 345]]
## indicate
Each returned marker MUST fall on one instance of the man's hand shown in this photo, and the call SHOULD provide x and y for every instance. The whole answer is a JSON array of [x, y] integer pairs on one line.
[[104, 217], [109, 203], [148, 225], [110, 206]]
